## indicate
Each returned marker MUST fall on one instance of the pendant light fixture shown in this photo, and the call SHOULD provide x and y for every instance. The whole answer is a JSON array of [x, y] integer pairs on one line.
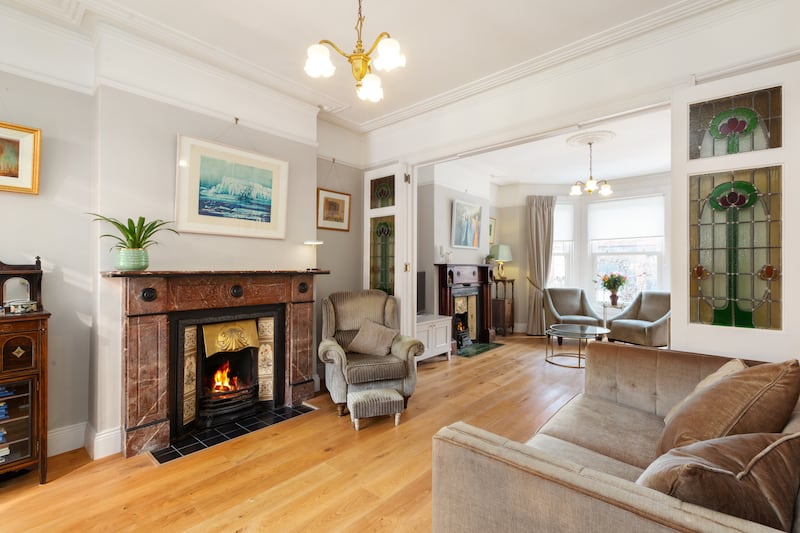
[[368, 84], [591, 185]]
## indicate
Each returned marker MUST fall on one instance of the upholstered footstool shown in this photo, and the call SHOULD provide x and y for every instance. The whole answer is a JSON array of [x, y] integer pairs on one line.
[[374, 402]]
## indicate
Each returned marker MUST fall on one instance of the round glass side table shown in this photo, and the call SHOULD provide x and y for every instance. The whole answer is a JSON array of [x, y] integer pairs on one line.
[[583, 334]]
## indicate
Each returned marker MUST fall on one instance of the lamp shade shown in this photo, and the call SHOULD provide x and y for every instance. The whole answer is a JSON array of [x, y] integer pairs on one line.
[[501, 253]]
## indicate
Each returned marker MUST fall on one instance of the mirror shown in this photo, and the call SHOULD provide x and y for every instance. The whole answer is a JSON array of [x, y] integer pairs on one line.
[[16, 289]]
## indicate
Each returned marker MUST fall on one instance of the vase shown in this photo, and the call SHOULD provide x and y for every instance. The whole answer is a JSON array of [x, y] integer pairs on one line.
[[614, 297], [132, 259]]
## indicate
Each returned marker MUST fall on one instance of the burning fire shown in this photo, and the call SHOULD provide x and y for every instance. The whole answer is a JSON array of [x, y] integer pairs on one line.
[[222, 380]]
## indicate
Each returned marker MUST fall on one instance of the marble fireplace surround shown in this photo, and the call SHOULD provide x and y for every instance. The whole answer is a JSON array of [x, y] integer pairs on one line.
[[149, 299]]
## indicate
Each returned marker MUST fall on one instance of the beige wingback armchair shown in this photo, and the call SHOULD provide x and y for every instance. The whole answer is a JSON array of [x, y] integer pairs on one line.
[[569, 306], [645, 321], [391, 364]]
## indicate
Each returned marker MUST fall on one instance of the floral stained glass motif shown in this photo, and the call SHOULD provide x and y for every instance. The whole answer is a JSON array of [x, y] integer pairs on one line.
[[735, 240], [381, 192], [381, 254], [740, 123]]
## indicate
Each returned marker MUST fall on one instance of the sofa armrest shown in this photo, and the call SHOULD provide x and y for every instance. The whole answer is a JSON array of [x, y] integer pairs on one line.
[[483, 482], [649, 379]]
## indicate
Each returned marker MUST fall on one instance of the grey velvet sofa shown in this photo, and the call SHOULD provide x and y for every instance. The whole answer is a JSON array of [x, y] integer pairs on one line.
[[578, 472]]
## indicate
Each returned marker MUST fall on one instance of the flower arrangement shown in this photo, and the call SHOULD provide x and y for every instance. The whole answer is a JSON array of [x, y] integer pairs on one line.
[[612, 281]]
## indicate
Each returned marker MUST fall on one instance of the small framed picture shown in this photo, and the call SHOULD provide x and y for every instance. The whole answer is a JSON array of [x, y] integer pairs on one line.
[[19, 158], [492, 229], [333, 210]]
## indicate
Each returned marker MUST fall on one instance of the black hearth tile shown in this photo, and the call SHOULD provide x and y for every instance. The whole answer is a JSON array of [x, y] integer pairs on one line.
[[303, 408], [284, 411], [238, 431], [270, 418], [191, 448], [211, 440], [184, 441], [253, 426], [225, 428], [167, 454], [203, 434], [248, 421]]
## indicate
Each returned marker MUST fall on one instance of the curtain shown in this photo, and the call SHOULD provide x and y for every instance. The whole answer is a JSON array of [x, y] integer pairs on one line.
[[539, 211]]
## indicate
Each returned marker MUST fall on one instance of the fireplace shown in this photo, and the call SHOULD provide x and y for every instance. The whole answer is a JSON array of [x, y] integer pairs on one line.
[[465, 295], [225, 365], [164, 315]]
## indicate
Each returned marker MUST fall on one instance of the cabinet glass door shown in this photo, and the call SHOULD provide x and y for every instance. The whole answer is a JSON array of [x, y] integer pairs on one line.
[[16, 422]]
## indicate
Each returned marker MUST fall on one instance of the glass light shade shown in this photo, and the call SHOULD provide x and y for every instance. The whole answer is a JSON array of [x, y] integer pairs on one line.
[[371, 88], [575, 190], [319, 62], [501, 252], [591, 185], [605, 188], [389, 55]]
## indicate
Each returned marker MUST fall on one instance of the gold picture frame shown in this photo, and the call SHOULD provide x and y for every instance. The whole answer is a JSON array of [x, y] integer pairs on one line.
[[19, 158], [333, 210]]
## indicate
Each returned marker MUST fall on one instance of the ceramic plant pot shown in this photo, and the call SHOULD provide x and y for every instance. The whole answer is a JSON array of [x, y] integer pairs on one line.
[[132, 259]]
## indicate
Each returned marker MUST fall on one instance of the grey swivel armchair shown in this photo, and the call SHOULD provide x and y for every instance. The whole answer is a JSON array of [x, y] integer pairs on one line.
[[389, 364], [645, 321], [568, 306]]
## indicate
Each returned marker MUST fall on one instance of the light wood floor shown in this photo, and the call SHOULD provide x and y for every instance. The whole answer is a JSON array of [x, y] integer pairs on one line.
[[311, 473]]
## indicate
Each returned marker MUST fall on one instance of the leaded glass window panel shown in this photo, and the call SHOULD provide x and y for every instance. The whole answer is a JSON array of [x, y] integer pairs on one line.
[[739, 123], [735, 248], [381, 192], [381, 254]]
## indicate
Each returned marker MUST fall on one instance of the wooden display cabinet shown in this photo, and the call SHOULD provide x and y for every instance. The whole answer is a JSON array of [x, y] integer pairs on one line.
[[23, 371], [503, 306]]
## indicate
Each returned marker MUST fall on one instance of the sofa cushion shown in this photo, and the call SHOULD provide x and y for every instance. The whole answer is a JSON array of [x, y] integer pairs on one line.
[[584, 457], [731, 367], [373, 339], [753, 476], [758, 399], [623, 433]]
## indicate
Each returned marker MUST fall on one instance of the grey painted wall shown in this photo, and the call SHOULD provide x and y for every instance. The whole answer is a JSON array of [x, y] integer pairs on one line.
[[52, 225]]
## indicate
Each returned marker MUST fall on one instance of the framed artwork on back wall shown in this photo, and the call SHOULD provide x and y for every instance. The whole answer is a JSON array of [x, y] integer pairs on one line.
[[466, 225]]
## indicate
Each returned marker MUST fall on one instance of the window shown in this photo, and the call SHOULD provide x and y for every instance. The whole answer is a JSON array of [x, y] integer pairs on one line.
[[561, 262], [627, 236]]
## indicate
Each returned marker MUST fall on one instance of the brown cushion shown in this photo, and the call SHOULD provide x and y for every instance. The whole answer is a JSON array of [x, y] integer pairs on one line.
[[372, 339], [731, 367], [754, 476], [758, 399]]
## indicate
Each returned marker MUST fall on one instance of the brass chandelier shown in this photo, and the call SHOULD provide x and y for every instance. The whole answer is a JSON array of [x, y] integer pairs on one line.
[[368, 84], [591, 185]]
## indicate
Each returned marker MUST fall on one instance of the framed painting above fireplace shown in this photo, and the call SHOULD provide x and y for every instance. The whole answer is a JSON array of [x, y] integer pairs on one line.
[[466, 225], [228, 191]]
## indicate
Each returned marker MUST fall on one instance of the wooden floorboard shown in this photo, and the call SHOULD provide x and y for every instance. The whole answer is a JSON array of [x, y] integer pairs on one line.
[[310, 473]]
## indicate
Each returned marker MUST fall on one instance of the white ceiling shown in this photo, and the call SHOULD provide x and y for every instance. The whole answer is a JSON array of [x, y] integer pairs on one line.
[[455, 49]]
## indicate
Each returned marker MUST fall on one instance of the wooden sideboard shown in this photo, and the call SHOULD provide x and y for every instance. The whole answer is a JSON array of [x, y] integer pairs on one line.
[[23, 376]]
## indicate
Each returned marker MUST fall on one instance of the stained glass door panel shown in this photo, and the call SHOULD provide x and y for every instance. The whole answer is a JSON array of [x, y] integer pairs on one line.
[[382, 236], [735, 240]]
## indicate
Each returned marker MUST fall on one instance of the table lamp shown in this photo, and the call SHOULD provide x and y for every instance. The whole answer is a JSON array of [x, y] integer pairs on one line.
[[502, 254]]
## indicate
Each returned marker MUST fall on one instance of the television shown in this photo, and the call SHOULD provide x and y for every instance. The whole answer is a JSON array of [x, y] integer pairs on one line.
[[421, 292]]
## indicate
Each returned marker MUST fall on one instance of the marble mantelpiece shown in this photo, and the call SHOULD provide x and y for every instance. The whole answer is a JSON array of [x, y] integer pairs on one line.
[[150, 298]]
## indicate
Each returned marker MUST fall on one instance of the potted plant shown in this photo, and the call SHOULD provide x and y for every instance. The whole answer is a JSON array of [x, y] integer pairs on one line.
[[133, 240]]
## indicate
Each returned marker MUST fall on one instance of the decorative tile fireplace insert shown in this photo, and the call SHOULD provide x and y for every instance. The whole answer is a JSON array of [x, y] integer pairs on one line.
[[155, 300]]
